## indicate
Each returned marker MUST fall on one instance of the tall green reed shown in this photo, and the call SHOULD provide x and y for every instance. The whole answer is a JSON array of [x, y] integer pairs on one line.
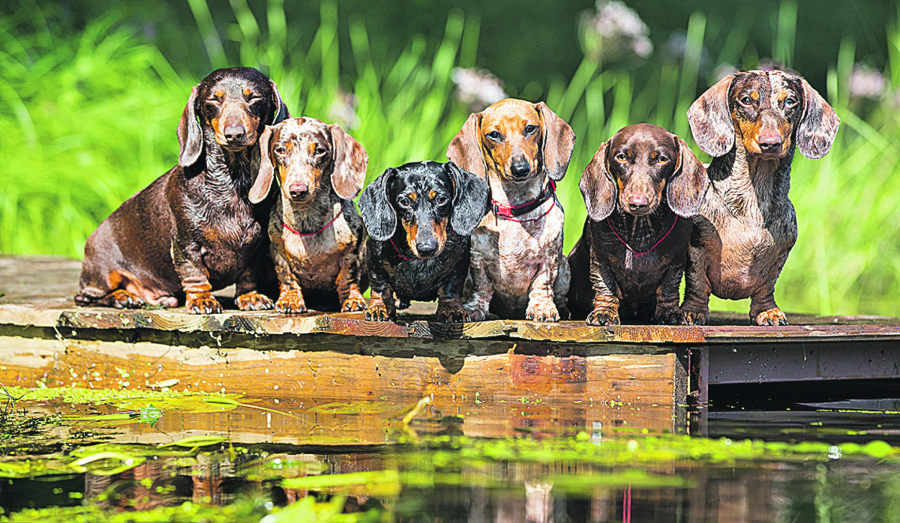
[[85, 122]]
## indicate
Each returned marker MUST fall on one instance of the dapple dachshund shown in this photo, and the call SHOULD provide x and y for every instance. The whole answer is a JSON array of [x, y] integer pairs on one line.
[[750, 123], [316, 233], [518, 267], [640, 189], [194, 229], [437, 206]]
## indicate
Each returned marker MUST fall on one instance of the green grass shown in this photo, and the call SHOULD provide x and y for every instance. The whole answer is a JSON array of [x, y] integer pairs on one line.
[[87, 120]]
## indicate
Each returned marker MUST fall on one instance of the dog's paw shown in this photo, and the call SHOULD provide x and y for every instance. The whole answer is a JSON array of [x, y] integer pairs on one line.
[[451, 312], [545, 312], [690, 317], [290, 302], [122, 299], [202, 303], [603, 316], [254, 301], [378, 312], [354, 302], [771, 317], [669, 316]]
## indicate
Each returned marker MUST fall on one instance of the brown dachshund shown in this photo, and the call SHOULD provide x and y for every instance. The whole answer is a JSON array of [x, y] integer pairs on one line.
[[518, 268], [641, 189], [194, 229], [316, 233], [750, 123]]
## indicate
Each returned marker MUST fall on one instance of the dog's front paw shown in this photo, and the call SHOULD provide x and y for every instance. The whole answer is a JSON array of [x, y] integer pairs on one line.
[[254, 301], [354, 302], [669, 316], [603, 316], [290, 302], [545, 312], [379, 312], [451, 311], [122, 299], [691, 317], [202, 303], [771, 317]]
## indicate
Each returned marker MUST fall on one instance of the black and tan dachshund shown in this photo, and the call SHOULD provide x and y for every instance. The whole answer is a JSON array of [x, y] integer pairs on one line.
[[437, 205], [194, 229], [750, 123], [640, 189]]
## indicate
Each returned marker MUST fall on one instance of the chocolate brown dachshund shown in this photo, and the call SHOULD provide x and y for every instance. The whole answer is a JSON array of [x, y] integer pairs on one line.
[[193, 230], [750, 123], [640, 189]]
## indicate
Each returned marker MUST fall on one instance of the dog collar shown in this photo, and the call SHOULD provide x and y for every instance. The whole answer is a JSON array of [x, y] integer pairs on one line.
[[509, 212], [639, 254], [327, 225], [401, 255]]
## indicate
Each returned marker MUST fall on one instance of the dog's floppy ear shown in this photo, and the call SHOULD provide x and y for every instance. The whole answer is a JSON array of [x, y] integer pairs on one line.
[[375, 207], [465, 148], [688, 184], [349, 164], [559, 141], [281, 112], [598, 187], [470, 199], [818, 125], [710, 119], [190, 139], [263, 182]]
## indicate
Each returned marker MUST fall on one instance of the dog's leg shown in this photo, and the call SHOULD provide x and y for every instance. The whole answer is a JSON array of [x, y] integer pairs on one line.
[[382, 306], [605, 303], [667, 310], [450, 309], [697, 288], [247, 297], [290, 297], [194, 280], [541, 306], [347, 282], [482, 289], [763, 310]]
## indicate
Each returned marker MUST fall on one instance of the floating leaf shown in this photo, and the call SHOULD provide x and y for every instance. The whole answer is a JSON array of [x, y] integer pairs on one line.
[[197, 441]]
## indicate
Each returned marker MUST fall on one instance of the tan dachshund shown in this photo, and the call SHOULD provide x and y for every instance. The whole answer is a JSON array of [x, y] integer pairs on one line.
[[316, 232], [517, 265], [751, 124]]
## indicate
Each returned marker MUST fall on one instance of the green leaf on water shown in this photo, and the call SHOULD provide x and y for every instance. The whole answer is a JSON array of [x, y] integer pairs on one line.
[[150, 415], [196, 441]]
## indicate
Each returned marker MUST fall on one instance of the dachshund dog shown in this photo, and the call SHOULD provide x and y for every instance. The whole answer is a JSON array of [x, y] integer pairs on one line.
[[750, 123], [518, 267], [316, 233], [194, 229], [640, 189], [427, 257]]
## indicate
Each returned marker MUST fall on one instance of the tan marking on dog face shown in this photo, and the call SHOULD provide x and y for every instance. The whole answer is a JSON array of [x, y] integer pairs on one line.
[[758, 103], [431, 194], [305, 156], [412, 196], [512, 132], [440, 233], [412, 230]]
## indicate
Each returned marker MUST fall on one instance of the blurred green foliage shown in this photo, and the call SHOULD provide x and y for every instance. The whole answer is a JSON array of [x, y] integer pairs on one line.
[[92, 92]]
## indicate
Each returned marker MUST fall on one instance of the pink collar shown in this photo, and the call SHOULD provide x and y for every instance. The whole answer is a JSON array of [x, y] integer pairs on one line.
[[327, 225], [401, 255], [509, 212], [639, 254]]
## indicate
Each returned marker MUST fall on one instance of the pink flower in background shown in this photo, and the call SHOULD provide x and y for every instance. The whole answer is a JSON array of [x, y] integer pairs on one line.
[[866, 82], [477, 88], [614, 32], [343, 110]]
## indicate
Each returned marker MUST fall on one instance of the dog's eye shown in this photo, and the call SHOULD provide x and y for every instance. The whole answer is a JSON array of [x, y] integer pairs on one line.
[[662, 159], [530, 129], [279, 149], [621, 157], [789, 102], [320, 151], [404, 202], [494, 135], [441, 200], [745, 100]]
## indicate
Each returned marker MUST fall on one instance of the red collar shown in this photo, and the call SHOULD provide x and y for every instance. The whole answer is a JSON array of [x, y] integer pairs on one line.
[[327, 225], [503, 210]]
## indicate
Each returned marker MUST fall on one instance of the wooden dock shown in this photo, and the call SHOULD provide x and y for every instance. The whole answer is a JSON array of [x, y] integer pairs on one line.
[[46, 340]]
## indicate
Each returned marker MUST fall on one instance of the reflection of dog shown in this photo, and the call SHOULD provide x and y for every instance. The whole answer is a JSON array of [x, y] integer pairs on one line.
[[315, 230], [750, 123], [194, 229], [637, 187], [518, 267], [427, 257]]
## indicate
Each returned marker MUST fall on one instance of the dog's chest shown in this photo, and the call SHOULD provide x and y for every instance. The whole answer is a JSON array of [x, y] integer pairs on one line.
[[316, 258]]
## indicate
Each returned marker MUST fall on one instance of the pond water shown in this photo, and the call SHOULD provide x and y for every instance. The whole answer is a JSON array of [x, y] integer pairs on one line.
[[76, 455]]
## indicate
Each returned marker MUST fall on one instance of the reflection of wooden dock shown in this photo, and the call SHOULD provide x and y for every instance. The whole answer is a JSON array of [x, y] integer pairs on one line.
[[45, 339]]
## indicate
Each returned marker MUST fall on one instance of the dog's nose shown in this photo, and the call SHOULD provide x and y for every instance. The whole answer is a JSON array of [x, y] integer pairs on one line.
[[520, 167], [427, 248], [770, 140], [298, 190], [638, 202], [234, 133]]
